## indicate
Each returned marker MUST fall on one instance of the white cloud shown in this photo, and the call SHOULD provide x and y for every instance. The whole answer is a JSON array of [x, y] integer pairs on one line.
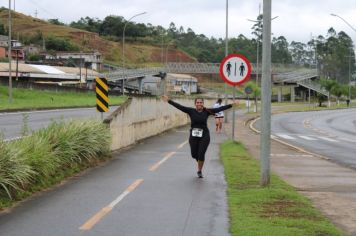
[[297, 19]]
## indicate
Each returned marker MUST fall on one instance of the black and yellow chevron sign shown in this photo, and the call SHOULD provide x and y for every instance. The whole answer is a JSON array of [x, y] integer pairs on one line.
[[102, 95]]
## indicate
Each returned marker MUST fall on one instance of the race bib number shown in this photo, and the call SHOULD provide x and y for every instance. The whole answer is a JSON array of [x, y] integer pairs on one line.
[[197, 132]]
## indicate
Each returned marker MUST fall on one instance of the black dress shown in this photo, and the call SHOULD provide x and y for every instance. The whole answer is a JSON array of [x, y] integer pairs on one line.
[[199, 145]]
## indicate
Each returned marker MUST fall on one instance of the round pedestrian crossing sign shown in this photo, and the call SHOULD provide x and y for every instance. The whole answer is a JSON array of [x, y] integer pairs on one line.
[[235, 69]]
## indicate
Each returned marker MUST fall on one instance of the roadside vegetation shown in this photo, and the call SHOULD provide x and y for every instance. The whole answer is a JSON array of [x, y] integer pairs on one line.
[[35, 99], [49, 155], [275, 210]]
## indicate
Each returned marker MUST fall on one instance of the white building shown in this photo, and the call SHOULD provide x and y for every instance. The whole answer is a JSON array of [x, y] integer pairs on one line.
[[181, 83], [94, 58]]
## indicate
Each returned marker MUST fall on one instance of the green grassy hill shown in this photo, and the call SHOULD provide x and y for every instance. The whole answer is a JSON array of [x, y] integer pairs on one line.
[[136, 54]]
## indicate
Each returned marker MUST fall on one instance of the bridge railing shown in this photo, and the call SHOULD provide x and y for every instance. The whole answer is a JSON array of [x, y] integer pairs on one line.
[[295, 76], [313, 86]]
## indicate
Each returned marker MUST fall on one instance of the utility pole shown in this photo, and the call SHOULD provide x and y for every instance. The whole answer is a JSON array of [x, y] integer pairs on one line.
[[226, 48], [266, 95], [257, 59], [350, 99], [9, 53], [80, 69]]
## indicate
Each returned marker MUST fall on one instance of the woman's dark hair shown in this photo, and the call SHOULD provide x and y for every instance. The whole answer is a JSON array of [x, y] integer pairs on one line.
[[219, 101], [195, 100], [204, 108]]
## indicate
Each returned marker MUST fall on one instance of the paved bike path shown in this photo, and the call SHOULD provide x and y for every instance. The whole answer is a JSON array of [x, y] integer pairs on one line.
[[149, 189]]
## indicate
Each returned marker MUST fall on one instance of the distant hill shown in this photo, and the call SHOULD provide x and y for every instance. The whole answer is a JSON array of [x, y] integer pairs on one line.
[[136, 54]]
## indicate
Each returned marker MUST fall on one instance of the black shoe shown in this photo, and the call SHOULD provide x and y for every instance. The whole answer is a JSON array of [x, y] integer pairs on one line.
[[200, 174]]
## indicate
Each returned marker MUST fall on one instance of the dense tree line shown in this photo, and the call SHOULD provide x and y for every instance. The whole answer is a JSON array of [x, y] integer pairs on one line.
[[330, 53]]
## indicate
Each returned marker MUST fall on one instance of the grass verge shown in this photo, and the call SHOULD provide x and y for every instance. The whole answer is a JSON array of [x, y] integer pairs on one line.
[[48, 156], [275, 210], [34, 99]]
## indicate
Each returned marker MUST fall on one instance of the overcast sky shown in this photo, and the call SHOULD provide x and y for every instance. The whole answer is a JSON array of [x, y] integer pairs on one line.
[[297, 20]]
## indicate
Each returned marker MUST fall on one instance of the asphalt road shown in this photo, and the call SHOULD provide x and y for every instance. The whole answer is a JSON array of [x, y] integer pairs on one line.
[[150, 189], [329, 133], [11, 124]]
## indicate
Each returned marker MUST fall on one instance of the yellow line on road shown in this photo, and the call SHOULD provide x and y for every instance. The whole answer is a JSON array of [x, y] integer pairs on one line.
[[182, 144], [95, 219], [99, 215], [155, 166]]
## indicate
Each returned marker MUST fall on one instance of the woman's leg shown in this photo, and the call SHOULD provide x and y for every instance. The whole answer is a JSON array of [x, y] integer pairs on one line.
[[217, 124], [194, 146], [203, 146], [221, 119]]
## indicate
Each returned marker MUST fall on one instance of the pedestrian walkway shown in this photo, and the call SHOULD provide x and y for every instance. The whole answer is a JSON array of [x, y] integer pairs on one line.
[[331, 188], [149, 189]]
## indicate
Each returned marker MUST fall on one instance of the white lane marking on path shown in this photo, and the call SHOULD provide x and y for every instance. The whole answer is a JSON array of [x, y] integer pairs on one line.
[[99, 215], [328, 139], [347, 140], [291, 155], [285, 136], [306, 137], [165, 158], [182, 144], [45, 111]]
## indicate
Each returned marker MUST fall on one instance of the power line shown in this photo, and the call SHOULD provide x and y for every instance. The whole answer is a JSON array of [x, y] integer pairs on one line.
[[44, 10]]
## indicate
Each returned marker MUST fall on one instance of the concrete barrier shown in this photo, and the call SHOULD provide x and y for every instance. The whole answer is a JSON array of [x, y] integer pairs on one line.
[[139, 118]]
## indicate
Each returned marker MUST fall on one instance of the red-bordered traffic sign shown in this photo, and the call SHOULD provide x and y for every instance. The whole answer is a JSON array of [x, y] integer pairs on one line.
[[235, 69]]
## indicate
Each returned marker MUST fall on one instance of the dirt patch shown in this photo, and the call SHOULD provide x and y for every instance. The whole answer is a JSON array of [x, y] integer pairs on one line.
[[285, 208]]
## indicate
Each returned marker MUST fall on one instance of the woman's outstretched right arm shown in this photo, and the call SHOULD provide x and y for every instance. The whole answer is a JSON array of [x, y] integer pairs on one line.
[[176, 105]]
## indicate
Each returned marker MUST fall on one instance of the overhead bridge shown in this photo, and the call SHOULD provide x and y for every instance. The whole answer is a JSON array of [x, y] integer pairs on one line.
[[281, 74]]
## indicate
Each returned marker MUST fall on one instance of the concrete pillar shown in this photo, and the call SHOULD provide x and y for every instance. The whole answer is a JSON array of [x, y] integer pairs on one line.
[[280, 94], [292, 94], [163, 83], [123, 87], [303, 95], [140, 85]]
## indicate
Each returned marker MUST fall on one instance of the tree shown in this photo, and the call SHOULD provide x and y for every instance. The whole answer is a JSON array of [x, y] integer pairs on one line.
[[280, 51], [298, 52], [334, 53], [59, 44], [112, 25], [55, 22], [256, 91], [328, 84], [2, 29], [339, 90]]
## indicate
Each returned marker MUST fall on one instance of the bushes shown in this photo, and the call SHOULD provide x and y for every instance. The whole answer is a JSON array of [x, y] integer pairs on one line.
[[49, 152]]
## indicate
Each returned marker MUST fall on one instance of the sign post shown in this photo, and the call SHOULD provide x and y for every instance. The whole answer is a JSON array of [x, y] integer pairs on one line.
[[235, 69], [102, 95], [248, 91]]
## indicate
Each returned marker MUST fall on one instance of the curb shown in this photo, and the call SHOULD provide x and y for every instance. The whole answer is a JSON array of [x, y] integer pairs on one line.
[[251, 126]]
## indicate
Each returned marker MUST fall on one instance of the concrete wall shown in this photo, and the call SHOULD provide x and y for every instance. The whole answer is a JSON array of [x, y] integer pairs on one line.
[[140, 118]]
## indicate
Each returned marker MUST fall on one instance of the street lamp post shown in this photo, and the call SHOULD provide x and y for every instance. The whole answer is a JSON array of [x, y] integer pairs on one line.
[[123, 50], [226, 47], [258, 46], [350, 56], [9, 53]]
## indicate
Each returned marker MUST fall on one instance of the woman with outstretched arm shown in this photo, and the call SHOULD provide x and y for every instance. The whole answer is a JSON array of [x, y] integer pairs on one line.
[[199, 137]]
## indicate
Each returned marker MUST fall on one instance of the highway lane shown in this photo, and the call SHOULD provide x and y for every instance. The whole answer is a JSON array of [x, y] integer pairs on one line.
[[329, 133], [11, 124]]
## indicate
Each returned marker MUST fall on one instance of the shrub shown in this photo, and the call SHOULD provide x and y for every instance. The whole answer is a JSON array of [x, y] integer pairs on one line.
[[49, 152], [15, 173]]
